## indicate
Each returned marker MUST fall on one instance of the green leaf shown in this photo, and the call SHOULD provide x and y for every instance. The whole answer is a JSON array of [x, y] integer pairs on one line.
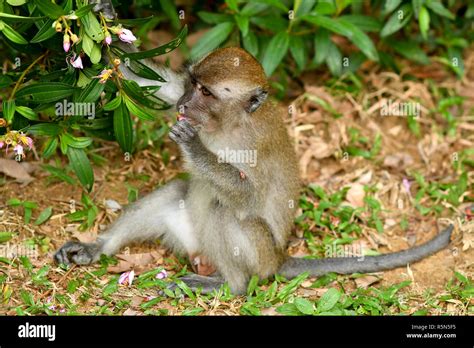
[[8, 109], [81, 166], [250, 43], [141, 113], [214, 18], [45, 92], [288, 309], [346, 28], [44, 216], [82, 11], [137, 67], [253, 283], [113, 104], [437, 7], [302, 7], [91, 92], [87, 44], [27, 112], [48, 129], [242, 23], [96, 54], [111, 287], [50, 9], [14, 202], [12, 35], [232, 4], [424, 22], [397, 20], [212, 39], [59, 173], [27, 215], [410, 50], [298, 51], [77, 142], [46, 31], [166, 48], [334, 59], [328, 300], [253, 8], [416, 5], [5, 236], [50, 147], [275, 3], [364, 23], [123, 129], [275, 52], [14, 18], [325, 8], [270, 23], [389, 6], [16, 2], [169, 8], [92, 27], [304, 306], [134, 91], [321, 45]]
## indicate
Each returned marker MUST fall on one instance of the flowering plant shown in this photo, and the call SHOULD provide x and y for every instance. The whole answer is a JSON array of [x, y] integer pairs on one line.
[[63, 64]]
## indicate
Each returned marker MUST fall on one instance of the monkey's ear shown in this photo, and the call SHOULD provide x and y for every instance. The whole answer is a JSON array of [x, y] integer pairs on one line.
[[256, 99]]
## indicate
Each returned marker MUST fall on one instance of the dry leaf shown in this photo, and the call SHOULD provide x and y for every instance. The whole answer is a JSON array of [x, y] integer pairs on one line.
[[366, 281], [131, 312], [355, 195], [85, 237], [138, 262], [15, 170]]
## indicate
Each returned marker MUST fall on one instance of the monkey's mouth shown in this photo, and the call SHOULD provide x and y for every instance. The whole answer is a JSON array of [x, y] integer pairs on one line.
[[182, 116]]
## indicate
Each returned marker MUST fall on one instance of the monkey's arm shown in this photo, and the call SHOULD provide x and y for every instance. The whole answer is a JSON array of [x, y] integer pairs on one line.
[[206, 164], [348, 265]]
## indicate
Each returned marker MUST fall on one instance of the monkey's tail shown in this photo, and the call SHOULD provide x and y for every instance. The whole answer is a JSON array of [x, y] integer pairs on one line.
[[367, 264]]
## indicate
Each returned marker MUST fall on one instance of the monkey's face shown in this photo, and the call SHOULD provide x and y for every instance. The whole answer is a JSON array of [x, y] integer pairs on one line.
[[200, 105], [223, 89]]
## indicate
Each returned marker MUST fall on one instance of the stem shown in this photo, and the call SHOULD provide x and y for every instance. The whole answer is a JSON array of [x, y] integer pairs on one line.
[[18, 83]]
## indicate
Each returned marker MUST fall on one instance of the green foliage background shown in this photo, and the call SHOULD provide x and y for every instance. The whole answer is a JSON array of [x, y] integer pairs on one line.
[[288, 37]]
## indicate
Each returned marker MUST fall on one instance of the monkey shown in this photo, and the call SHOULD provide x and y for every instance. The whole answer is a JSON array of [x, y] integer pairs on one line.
[[234, 212]]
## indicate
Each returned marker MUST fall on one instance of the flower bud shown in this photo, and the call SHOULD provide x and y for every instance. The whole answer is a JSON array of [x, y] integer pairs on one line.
[[66, 43]]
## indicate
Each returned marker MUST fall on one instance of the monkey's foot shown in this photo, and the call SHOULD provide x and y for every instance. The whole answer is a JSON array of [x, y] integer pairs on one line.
[[76, 252], [195, 282]]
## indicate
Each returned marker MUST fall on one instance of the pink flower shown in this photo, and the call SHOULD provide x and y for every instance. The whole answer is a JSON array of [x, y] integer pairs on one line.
[[18, 149], [26, 140], [126, 35], [1, 144], [76, 62], [66, 43], [108, 39], [126, 278], [163, 274], [105, 75]]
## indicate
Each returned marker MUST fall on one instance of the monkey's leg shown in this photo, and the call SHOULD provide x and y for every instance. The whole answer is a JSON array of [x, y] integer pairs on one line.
[[239, 249], [161, 214]]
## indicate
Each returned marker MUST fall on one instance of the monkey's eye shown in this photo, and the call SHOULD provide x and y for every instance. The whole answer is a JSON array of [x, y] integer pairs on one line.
[[205, 91], [193, 81]]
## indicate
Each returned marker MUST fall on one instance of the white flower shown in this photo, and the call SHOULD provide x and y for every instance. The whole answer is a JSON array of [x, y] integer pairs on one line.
[[76, 62], [126, 35]]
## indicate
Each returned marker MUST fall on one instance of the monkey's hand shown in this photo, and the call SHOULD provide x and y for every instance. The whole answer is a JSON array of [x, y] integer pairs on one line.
[[76, 252], [184, 134]]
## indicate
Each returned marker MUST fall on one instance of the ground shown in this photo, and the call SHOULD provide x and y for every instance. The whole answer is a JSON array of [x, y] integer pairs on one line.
[[409, 169]]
